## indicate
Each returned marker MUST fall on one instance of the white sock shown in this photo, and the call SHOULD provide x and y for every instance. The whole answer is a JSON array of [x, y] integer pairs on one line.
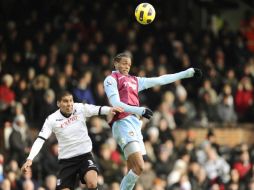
[[128, 182]]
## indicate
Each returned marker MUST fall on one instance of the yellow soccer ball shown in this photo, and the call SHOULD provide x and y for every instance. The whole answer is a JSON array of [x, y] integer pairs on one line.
[[145, 13]]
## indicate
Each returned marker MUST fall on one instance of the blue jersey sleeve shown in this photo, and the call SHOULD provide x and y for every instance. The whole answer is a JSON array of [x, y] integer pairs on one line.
[[145, 83], [110, 86]]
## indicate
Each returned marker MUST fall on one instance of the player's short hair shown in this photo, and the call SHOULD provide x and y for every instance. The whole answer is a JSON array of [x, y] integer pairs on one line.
[[119, 56], [62, 94]]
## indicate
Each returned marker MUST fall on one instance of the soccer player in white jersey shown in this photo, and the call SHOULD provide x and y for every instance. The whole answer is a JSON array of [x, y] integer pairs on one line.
[[122, 90], [75, 146]]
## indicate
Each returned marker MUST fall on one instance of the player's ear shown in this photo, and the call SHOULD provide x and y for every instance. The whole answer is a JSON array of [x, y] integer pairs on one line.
[[115, 64], [58, 104]]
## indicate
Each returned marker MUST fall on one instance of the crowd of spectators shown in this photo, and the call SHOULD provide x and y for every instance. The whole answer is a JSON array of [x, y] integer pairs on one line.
[[47, 50]]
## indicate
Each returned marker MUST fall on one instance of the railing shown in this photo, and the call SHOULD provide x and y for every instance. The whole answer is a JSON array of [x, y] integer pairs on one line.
[[226, 134]]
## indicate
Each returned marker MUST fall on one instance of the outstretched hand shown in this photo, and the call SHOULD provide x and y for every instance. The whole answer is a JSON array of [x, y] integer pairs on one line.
[[147, 113], [115, 110], [26, 166], [198, 73]]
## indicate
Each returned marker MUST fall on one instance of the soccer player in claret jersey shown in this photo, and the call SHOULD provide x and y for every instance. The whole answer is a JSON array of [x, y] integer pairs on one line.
[[75, 146], [122, 90]]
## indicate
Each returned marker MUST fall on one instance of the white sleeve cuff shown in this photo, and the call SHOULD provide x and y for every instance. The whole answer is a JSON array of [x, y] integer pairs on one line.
[[105, 110]]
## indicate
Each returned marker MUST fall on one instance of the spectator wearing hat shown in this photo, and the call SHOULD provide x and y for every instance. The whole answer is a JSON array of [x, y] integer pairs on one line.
[[20, 140]]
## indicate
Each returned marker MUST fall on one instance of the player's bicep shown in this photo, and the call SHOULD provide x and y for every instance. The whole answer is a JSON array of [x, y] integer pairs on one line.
[[46, 130], [110, 86], [90, 110], [141, 83]]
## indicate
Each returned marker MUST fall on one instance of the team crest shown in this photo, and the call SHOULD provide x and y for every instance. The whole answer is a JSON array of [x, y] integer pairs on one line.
[[131, 133]]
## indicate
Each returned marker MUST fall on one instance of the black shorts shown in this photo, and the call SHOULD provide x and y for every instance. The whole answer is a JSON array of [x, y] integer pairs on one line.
[[71, 167]]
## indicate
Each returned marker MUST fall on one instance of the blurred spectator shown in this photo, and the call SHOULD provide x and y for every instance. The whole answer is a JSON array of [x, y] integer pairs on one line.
[[110, 170], [28, 185], [159, 184], [5, 184], [11, 176], [243, 165], [165, 111], [61, 83], [211, 140], [12, 166], [101, 182], [180, 168], [148, 176], [100, 98], [49, 105], [40, 85], [208, 109], [49, 161], [83, 92], [23, 94], [165, 162], [98, 133], [231, 79], [115, 154], [114, 186], [185, 111], [5, 133], [20, 140], [183, 184], [249, 33], [226, 110], [27, 177], [244, 98], [165, 133], [153, 142], [50, 182], [216, 167], [235, 179], [7, 96], [198, 177]]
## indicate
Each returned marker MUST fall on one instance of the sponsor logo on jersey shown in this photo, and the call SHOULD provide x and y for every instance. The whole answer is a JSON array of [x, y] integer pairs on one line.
[[131, 85], [69, 121]]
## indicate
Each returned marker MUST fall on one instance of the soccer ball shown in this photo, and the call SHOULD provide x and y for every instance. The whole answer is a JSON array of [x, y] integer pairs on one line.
[[145, 13]]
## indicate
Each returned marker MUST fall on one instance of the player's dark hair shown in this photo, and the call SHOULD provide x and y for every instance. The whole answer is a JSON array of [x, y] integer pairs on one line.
[[62, 94], [119, 56]]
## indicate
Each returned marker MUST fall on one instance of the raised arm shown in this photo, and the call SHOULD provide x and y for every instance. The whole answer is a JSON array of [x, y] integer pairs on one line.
[[145, 83], [91, 110]]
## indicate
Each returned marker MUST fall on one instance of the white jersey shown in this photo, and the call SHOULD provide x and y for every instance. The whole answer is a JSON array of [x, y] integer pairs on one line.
[[71, 132]]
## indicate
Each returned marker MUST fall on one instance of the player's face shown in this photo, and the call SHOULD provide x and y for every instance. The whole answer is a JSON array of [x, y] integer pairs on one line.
[[66, 104], [123, 66]]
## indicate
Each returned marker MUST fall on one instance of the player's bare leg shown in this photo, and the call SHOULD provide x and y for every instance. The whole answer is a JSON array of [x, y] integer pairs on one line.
[[91, 179], [135, 164]]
